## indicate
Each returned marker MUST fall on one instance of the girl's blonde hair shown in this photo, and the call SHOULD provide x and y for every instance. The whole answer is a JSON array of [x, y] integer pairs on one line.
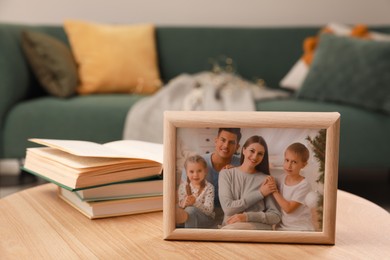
[[195, 159]]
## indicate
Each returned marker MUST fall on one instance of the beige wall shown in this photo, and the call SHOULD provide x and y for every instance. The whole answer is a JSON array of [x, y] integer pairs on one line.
[[199, 12]]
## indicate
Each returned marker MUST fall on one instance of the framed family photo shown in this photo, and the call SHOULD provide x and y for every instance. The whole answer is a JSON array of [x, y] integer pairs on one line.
[[251, 176]]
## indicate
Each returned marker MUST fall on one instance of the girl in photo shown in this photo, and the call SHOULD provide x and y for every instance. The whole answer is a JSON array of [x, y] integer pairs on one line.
[[195, 196]]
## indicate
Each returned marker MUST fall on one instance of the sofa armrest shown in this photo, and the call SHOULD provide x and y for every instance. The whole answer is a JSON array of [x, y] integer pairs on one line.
[[15, 75], [17, 81]]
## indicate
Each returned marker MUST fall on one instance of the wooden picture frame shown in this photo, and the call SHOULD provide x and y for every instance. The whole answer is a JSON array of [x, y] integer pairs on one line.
[[281, 122]]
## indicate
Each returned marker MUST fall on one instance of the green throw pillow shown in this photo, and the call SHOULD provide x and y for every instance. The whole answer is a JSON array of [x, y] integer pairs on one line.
[[52, 62], [350, 71]]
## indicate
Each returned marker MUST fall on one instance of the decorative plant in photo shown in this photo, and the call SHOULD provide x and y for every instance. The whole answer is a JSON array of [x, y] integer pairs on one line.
[[318, 145]]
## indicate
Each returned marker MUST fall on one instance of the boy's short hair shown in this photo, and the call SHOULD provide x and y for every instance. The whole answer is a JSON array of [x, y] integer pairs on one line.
[[301, 150], [236, 131]]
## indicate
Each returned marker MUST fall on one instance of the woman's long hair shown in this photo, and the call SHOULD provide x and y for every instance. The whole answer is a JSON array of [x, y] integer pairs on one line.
[[264, 165]]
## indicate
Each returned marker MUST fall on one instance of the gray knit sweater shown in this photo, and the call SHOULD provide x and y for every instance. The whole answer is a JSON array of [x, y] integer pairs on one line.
[[239, 192]]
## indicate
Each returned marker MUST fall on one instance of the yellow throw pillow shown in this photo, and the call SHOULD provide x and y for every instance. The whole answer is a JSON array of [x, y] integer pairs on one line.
[[114, 58]]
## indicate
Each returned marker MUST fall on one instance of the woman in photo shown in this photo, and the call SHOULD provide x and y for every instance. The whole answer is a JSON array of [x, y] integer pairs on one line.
[[244, 190]]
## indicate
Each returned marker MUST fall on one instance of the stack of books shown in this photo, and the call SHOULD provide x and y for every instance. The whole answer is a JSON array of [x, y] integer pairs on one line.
[[101, 180]]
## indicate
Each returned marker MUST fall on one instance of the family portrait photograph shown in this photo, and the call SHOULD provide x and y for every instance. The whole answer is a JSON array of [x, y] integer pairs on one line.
[[250, 178], [242, 178]]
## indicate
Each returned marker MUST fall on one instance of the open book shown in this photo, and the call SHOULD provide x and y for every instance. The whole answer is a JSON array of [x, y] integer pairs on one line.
[[80, 164]]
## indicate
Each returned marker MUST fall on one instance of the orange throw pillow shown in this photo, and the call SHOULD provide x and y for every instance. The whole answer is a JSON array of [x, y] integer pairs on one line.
[[114, 58]]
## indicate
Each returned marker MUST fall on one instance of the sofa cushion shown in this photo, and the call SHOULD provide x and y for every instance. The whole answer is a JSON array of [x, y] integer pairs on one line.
[[114, 58], [350, 71], [298, 72], [97, 118], [52, 62]]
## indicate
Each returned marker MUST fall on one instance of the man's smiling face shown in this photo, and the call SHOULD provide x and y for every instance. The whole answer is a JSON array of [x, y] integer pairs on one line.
[[226, 144]]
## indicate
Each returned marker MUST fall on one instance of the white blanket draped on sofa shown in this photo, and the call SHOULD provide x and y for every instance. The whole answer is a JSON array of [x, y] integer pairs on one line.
[[203, 91]]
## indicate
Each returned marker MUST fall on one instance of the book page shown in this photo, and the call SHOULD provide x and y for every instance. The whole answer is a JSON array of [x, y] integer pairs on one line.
[[78, 162], [138, 149], [81, 148]]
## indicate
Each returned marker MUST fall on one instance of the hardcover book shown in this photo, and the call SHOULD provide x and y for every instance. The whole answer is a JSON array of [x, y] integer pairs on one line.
[[132, 189], [111, 208]]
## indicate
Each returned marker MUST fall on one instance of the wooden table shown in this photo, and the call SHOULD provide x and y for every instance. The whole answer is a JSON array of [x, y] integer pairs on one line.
[[36, 224]]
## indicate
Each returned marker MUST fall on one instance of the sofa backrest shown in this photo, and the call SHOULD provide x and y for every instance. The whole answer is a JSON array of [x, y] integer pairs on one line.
[[266, 53]]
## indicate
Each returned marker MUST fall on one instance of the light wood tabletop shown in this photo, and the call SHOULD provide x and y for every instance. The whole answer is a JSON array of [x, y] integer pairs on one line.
[[37, 224]]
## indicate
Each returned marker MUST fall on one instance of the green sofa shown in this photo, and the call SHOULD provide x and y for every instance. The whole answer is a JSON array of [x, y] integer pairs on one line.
[[268, 53]]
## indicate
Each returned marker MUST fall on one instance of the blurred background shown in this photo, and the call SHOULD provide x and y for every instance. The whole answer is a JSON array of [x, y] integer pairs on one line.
[[200, 12], [252, 13]]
